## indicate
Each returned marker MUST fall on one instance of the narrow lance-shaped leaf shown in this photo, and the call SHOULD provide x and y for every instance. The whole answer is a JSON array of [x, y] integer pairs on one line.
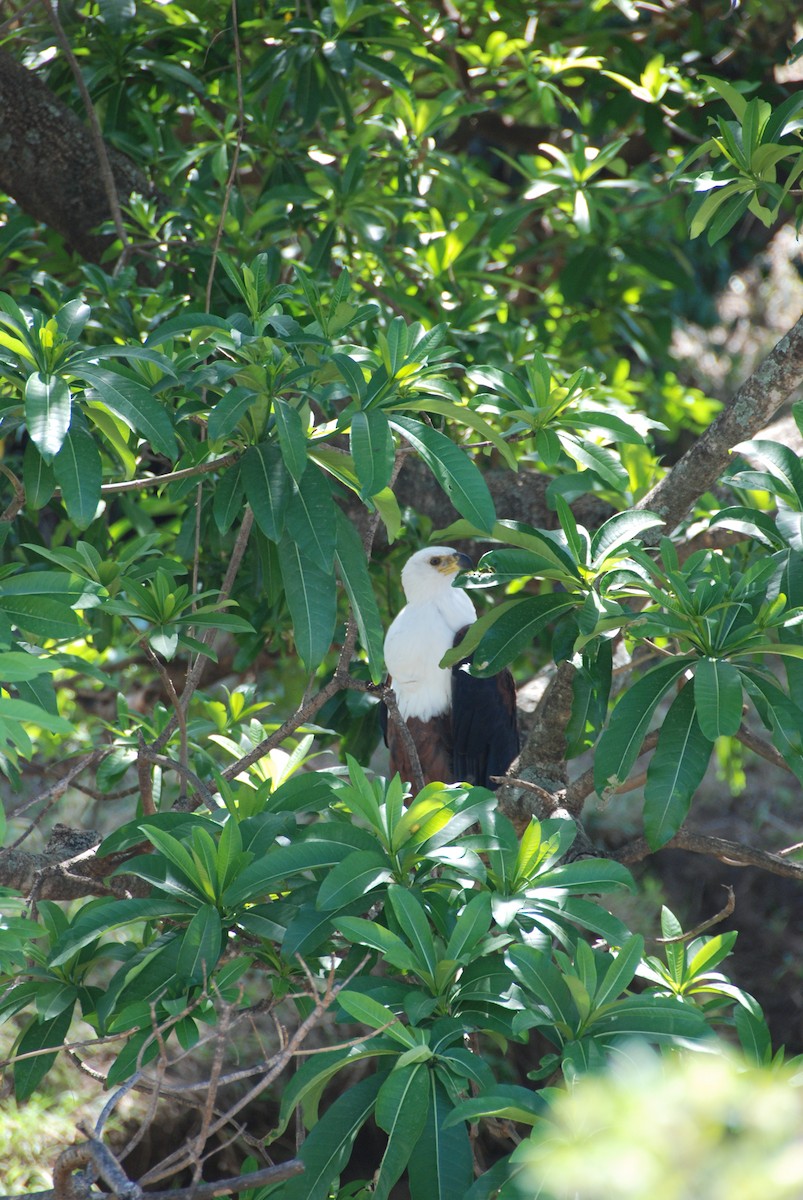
[[402, 1106], [200, 946], [372, 450], [229, 498], [353, 569], [267, 486], [621, 971], [78, 470], [414, 922], [136, 404], [620, 743], [311, 518], [312, 599], [718, 697], [40, 1035], [502, 633], [617, 531], [48, 405], [453, 469], [292, 440], [326, 1150], [442, 1166], [676, 770], [37, 478]]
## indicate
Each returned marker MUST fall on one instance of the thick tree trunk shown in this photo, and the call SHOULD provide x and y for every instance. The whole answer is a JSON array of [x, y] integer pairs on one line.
[[49, 165]]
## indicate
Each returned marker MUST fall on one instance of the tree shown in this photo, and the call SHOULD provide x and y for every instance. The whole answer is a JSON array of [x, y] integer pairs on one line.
[[361, 271]]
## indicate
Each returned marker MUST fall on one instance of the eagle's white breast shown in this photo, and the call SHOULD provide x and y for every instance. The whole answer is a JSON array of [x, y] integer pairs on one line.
[[419, 637]]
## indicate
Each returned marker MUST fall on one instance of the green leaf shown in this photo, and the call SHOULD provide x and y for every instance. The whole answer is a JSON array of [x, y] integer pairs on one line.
[[48, 406], [502, 633], [229, 411], [37, 615], [754, 1036], [441, 1167], [413, 920], [264, 875], [461, 414], [327, 1148], [733, 98], [311, 595], [659, 1018], [676, 770], [372, 449], [306, 1085], [352, 566], [130, 400], [586, 875], [229, 498], [201, 945], [370, 1012], [507, 1101], [72, 317], [37, 478], [108, 915], [267, 486], [389, 945], [453, 469], [356, 876], [718, 697], [402, 1107], [536, 973], [621, 971], [311, 520], [23, 710], [604, 462], [16, 666], [292, 439], [40, 1035], [470, 927], [620, 743], [79, 474], [141, 1048], [619, 529]]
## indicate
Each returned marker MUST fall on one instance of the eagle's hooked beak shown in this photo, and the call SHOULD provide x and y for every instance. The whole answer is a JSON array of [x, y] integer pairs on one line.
[[457, 562]]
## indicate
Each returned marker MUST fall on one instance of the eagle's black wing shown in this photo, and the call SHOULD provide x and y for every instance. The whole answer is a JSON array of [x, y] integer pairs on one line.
[[485, 735]]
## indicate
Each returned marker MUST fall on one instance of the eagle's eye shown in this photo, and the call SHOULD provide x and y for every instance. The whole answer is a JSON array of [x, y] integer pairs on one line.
[[435, 562]]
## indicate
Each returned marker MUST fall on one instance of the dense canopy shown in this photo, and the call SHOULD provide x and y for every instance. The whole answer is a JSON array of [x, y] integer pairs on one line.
[[289, 292]]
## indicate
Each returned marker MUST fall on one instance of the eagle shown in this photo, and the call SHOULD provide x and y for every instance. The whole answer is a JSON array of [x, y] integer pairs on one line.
[[463, 728]]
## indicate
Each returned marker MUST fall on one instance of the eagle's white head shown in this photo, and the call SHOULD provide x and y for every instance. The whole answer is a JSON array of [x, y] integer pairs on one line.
[[428, 575], [425, 629]]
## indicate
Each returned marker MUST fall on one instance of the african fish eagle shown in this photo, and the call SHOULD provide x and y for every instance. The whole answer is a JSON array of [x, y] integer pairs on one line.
[[464, 728]]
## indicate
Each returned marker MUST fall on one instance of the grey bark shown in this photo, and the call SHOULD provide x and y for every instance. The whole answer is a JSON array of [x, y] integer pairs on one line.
[[49, 165], [751, 408]]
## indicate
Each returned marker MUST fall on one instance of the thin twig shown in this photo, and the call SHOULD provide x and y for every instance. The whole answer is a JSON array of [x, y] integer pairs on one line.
[[211, 1092], [403, 730], [148, 481], [179, 712], [235, 158], [18, 501], [701, 928], [195, 673], [170, 764], [54, 793]]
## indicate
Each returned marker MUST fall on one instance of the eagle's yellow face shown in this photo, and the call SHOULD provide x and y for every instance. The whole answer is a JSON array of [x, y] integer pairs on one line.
[[449, 562]]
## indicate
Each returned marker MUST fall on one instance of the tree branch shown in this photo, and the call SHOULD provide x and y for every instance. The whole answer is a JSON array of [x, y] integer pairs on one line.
[[750, 410], [735, 854]]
